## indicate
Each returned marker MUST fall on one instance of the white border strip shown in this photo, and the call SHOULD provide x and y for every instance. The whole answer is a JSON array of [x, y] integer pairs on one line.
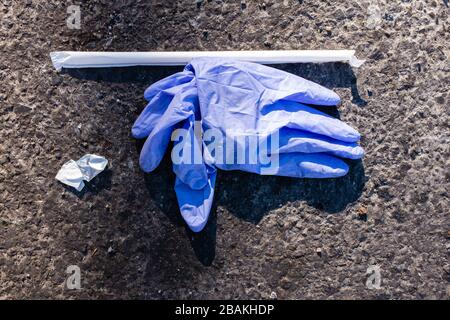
[[74, 59]]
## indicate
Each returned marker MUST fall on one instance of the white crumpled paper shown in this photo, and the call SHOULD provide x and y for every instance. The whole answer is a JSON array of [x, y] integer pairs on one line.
[[72, 173]]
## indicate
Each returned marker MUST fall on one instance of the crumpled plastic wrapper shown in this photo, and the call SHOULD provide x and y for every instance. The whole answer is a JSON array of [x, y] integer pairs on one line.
[[72, 173]]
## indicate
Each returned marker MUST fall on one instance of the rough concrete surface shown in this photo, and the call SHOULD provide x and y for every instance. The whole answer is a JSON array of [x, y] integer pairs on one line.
[[269, 237]]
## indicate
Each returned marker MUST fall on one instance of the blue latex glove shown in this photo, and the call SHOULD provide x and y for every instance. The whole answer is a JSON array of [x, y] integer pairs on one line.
[[242, 99], [173, 102]]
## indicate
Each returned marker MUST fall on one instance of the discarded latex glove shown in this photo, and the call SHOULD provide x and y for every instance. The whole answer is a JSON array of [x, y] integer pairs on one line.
[[72, 173], [239, 99]]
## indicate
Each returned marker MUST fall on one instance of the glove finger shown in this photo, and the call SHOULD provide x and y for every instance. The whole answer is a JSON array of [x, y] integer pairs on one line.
[[195, 205], [187, 156], [298, 116], [155, 109], [167, 83], [297, 165], [292, 140], [311, 165], [297, 89], [262, 84], [180, 108]]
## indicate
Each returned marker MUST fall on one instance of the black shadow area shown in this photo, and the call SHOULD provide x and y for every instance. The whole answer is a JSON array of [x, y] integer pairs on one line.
[[250, 197], [140, 74]]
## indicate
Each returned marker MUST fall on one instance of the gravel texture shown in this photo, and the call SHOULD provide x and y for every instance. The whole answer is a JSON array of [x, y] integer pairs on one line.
[[269, 237]]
